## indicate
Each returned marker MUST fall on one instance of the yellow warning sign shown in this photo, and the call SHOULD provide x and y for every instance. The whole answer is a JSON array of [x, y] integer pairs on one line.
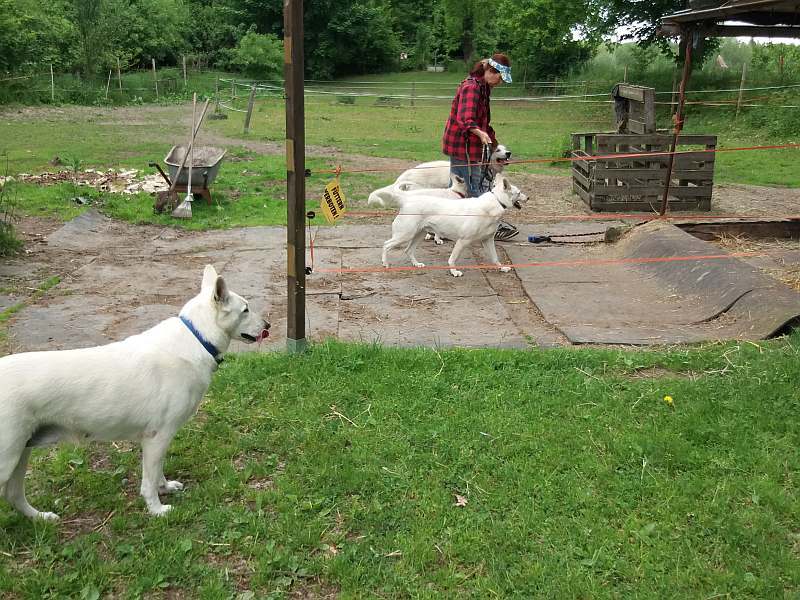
[[333, 202]]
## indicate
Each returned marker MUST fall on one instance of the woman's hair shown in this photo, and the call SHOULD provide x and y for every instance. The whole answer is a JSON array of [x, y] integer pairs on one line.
[[482, 66]]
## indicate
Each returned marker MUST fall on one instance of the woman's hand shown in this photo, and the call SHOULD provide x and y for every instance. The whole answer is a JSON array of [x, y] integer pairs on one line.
[[484, 137]]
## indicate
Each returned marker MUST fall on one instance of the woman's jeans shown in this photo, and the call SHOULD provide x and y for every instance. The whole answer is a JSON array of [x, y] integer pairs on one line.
[[472, 175]]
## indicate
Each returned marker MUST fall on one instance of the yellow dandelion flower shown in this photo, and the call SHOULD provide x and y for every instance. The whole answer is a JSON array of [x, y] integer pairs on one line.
[[668, 400]]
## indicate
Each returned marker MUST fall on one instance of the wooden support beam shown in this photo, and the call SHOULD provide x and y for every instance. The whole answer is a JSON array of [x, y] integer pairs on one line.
[[679, 115], [295, 175]]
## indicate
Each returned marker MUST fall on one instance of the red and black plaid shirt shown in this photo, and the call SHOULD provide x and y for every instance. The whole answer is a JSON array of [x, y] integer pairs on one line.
[[470, 109]]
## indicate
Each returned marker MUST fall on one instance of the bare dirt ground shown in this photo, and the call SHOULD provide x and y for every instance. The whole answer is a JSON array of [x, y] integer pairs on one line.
[[493, 307]]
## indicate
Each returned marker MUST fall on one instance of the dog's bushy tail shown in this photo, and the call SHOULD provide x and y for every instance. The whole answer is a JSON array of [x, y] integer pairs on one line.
[[375, 199], [383, 197]]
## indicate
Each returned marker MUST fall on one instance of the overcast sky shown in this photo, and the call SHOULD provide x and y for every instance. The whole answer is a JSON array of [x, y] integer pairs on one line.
[[759, 40]]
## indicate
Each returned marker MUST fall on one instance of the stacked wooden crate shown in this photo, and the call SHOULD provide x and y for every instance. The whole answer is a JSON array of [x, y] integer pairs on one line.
[[636, 183]]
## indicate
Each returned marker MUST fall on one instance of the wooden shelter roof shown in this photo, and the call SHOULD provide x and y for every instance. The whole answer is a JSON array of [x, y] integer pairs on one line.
[[767, 18]]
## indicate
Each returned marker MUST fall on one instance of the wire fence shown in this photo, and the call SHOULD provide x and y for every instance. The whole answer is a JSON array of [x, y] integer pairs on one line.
[[126, 84], [117, 85], [236, 91]]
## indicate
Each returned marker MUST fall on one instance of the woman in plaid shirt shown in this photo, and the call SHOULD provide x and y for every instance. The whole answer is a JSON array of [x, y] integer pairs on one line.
[[468, 128]]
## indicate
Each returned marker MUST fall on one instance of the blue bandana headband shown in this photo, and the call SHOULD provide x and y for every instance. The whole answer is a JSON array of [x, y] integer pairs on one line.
[[505, 72]]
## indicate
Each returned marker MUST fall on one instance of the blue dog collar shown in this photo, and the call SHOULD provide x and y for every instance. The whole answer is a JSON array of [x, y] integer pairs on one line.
[[505, 72], [211, 348]]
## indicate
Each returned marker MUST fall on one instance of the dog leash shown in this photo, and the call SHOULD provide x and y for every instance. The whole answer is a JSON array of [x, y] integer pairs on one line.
[[487, 175], [540, 239]]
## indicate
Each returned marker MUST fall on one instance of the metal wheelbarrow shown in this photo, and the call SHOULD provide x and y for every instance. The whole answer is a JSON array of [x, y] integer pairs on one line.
[[205, 167]]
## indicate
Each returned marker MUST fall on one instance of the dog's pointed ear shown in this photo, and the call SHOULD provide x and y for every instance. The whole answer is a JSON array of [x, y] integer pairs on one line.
[[220, 290], [209, 278]]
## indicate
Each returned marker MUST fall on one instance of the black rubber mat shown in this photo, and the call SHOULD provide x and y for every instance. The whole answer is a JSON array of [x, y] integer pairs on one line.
[[609, 294]]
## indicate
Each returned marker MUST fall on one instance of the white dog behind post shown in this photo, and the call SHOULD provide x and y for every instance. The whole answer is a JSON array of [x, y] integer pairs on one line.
[[466, 221], [142, 388]]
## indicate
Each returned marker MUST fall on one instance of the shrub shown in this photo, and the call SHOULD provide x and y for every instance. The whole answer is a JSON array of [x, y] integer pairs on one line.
[[9, 243], [258, 56]]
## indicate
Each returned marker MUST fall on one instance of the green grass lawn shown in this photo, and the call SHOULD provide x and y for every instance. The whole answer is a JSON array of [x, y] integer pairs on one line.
[[342, 470]]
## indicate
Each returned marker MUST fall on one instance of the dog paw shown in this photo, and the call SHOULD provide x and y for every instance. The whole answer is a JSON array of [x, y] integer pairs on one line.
[[456, 273], [438, 241], [505, 269], [47, 516], [429, 236], [161, 510], [419, 265], [170, 486]]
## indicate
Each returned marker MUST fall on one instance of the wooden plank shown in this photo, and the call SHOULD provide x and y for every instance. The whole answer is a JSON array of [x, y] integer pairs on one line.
[[577, 175], [592, 133], [631, 92], [636, 126], [582, 166], [655, 138], [585, 196], [699, 180], [631, 188], [644, 190], [603, 172], [685, 159], [649, 117], [650, 207]]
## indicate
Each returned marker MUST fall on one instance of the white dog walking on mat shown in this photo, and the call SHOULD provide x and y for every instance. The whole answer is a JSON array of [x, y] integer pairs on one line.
[[142, 388], [466, 221]]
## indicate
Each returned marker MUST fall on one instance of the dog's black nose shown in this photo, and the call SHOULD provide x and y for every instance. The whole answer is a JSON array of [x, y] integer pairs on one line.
[[508, 155]]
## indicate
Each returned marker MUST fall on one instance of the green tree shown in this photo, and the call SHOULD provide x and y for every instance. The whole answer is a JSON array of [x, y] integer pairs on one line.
[[137, 31], [541, 35], [34, 34], [341, 36], [87, 15], [639, 21], [224, 24], [464, 20]]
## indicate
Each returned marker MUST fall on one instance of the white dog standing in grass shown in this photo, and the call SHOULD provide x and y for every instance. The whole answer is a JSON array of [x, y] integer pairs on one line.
[[466, 221], [142, 388]]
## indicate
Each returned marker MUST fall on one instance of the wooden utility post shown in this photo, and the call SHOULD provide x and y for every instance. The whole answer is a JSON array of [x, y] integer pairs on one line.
[[249, 113], [741, 90], [155, 76], [295, 175]]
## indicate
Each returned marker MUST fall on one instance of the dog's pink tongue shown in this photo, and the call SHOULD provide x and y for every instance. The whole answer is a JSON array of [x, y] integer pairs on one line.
[[263, 335]]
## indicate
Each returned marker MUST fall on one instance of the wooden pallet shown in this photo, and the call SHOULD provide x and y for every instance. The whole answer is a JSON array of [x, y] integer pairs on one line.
[[637, 183]]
